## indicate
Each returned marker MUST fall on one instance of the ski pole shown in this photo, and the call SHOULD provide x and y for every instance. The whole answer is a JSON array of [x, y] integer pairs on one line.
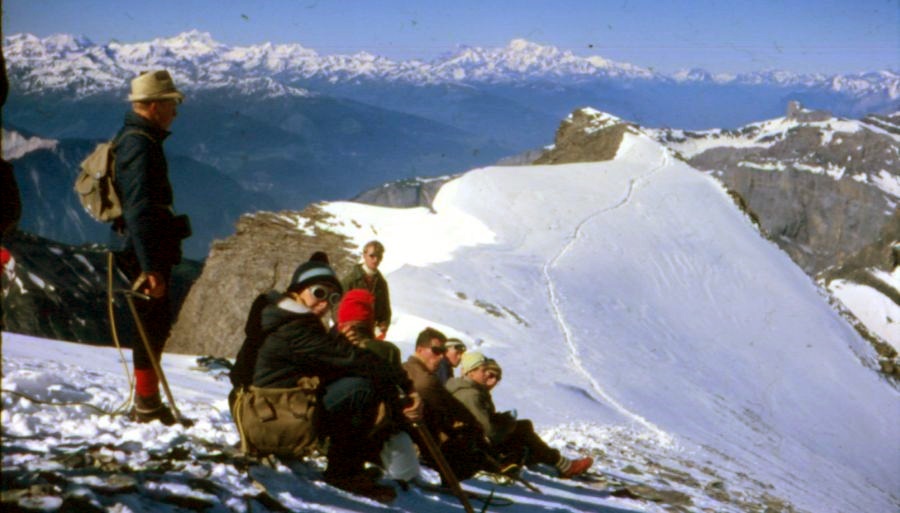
[[443, 466], [157, 368]]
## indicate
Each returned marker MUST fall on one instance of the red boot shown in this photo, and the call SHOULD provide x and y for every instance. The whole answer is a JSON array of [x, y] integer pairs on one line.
[[572, 468]]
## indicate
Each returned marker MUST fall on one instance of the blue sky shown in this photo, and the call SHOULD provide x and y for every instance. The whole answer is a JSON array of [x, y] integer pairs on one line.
[[826, 36]]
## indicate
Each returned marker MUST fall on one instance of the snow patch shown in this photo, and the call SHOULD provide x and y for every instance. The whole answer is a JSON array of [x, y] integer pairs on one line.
[[16, 146], [887, 182], [878, 312]]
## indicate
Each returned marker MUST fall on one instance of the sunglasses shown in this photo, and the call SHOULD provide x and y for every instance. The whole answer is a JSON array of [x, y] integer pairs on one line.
[[324, 293], [438, 349]]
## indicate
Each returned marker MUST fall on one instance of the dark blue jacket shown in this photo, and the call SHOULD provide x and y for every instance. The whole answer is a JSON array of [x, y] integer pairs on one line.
[[142, 177], [297, 345]]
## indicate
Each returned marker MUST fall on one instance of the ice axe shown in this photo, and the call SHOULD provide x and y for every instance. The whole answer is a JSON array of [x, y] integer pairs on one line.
[[157, 368], [443, 467]]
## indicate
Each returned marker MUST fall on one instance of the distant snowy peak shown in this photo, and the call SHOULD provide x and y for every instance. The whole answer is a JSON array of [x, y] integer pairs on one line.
[[65, 63], [885, 82], [522, 58], [199, 61]]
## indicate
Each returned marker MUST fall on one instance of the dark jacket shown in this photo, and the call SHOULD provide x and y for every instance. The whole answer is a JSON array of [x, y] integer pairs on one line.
[[11, 211], [443, 413], [297, 345], [149, 227], [385, 350], [444, 371], [241, 374], [477, 399], [377, 285]]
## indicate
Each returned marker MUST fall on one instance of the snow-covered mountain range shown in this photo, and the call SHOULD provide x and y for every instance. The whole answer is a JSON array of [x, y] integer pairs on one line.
[[76, 64]]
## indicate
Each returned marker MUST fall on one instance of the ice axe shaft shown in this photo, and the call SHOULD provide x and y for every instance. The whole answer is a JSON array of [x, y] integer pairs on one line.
[[157, 368], [443, 466]]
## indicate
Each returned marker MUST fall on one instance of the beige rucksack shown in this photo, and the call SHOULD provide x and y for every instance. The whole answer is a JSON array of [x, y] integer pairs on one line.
[[279, 421], [96, 182]]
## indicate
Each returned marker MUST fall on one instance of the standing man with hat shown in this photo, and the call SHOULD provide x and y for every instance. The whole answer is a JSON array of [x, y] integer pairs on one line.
[[148, 234]]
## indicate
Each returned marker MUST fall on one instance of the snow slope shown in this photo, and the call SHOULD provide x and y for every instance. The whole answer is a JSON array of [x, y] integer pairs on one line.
[[638, 295], [637, 314]]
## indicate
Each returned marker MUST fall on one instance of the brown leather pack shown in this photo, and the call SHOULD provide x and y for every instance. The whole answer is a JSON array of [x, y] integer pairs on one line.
[[279, 421]]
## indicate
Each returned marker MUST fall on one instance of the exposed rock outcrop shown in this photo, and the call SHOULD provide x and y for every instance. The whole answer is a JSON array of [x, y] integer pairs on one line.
[[587, 135], [796, 112], [59, 291], [817, 199], [262, 255]]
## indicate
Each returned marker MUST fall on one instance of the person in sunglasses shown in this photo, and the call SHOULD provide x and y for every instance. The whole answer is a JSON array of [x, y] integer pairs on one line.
[[512, 440], [458, 433], [349, 382]]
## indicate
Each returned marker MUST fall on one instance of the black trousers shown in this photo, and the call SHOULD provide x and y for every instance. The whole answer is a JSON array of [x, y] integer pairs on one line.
[[155, 314], [349, 407], [523, 445]]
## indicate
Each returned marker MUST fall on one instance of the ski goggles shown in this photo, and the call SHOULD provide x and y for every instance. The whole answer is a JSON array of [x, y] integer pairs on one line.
[[322, 292]]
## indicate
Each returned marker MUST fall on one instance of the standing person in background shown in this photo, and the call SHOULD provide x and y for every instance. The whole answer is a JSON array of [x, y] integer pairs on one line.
[[366, 276], [513, 441], [455, 349], [148, 234]]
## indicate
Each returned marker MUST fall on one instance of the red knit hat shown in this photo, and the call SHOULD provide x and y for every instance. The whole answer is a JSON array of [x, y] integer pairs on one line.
[[357, 305]]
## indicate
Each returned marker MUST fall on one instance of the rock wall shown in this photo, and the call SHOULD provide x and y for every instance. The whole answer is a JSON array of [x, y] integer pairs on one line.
[[262, 255], [821, 219]]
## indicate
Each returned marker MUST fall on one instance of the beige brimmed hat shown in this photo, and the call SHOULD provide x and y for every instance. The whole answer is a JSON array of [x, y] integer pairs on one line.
[[154, 86]]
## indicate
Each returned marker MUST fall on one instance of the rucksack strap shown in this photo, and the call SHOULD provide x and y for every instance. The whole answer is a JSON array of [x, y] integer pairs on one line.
[[115, 142]]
